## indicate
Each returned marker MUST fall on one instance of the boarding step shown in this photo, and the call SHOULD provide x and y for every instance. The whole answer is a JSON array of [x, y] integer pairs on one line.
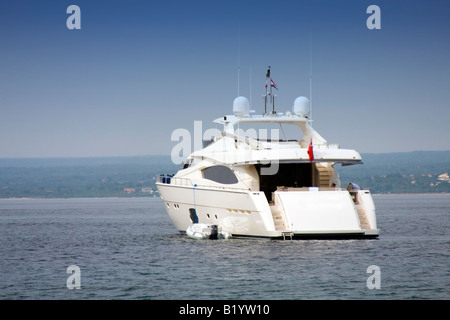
[[278, 219], [363, 221], [287, 235]]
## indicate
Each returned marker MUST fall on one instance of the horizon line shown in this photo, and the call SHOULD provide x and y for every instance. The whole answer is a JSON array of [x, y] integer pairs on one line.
[[168, 155]]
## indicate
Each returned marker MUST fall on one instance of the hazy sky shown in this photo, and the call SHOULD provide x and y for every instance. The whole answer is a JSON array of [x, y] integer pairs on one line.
[[138, 70]]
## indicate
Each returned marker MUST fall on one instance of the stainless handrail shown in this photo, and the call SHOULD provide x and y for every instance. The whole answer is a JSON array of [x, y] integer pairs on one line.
[[169, 179]]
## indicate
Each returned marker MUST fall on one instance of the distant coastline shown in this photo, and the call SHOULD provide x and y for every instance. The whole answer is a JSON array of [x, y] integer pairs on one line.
[[106, 197], [418, 172]]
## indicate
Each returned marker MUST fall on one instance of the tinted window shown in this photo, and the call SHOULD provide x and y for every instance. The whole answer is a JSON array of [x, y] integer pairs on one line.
[[220, 174]]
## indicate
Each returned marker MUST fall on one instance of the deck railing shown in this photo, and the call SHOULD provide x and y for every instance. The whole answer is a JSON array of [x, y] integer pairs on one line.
[[170, 179]]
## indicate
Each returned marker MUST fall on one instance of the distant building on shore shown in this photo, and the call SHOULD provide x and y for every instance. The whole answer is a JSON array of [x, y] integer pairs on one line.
[[147, 190]]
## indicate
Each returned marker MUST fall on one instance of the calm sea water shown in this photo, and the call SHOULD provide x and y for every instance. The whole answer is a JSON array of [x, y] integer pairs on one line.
[[128, 249]]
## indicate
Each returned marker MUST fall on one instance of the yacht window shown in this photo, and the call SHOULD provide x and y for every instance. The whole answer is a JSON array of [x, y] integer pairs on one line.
[[220, 174], [187, 164]]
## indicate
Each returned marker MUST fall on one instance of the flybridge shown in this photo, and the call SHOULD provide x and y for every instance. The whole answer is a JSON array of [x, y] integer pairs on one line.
[[272, 118], [242, 114], [307, 148], [299, 115], [301, 108]]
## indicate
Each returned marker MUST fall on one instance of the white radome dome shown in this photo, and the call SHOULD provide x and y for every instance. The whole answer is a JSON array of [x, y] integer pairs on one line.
[[241, 106], [301, 106]]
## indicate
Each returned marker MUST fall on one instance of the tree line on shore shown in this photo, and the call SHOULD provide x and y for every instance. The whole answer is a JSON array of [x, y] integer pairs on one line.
[[412, 172]]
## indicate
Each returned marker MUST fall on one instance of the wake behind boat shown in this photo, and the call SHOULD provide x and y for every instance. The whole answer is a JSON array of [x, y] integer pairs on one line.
[[272, 188]]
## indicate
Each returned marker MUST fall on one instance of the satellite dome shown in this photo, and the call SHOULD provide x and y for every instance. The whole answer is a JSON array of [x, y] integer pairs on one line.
[[301, 106], [241, 106]]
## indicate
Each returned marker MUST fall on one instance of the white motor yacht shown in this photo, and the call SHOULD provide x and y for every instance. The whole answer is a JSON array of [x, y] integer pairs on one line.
[[273, 188]]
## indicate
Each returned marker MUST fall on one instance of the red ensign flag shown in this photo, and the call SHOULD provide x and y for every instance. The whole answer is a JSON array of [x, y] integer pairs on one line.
[[310, 151]]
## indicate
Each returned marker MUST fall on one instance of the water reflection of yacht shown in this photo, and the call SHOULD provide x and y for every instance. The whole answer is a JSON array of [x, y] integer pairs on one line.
[[271, 188]]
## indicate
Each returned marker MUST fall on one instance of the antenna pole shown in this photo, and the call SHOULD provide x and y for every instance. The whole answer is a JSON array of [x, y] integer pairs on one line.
[[310, 79], [250, 86], [265, 104], [267, 90], [239, 57], [272, 98]]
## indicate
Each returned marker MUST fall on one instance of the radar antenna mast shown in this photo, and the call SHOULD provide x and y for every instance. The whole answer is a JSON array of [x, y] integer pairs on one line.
[[269, 95]]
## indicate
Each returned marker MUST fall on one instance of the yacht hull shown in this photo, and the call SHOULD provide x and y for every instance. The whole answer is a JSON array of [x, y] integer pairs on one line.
[[293, 214]]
